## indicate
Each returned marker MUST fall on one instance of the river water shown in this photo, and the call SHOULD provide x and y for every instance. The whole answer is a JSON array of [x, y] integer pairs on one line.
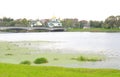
[[107, 44]]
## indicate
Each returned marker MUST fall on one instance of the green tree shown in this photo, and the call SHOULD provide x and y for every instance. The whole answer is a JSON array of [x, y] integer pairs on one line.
[[96, 24], [83, 23], [6, 21], [117, 21], [110, 22], [22, 22], [105, 25], [25, 22], [70, 23]]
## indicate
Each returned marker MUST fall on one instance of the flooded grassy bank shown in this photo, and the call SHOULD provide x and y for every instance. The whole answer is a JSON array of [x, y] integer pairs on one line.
[[16, 52]]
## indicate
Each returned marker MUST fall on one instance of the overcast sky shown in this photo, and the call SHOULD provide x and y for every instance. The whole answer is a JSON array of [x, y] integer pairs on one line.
[[40, 9]]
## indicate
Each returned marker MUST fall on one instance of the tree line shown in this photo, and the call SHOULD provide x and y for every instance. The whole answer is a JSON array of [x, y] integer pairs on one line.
[[4, 22], [109, 22]]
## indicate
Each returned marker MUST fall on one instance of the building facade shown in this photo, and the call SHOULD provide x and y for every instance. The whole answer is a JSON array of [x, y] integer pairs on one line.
[[54, 22]]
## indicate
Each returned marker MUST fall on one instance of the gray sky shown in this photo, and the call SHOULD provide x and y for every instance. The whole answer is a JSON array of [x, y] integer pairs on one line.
[[40, 9]]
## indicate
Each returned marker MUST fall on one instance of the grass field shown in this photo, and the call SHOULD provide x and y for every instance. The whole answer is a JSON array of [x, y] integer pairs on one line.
[[11, 70]]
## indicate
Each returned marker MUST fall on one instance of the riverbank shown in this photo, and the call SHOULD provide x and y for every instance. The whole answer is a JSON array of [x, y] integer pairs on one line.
[[92, 30], [12, 70]]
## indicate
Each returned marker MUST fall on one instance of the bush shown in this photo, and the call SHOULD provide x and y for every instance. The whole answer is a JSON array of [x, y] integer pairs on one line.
[[40, 60], [26, 62]]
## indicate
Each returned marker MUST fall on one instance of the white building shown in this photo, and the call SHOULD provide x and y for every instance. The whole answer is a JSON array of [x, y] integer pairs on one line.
[[35, 23], [54, 22]]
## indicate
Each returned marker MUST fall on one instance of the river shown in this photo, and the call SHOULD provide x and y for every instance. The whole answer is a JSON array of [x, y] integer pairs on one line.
[[75, 42]]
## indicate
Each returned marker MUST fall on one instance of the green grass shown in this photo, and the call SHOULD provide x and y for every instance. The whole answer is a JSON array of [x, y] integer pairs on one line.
[[93, 30], [11, 70]]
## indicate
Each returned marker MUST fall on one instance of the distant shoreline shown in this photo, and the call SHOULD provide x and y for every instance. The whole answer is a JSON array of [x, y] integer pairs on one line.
[[71, 30], [92, 30]]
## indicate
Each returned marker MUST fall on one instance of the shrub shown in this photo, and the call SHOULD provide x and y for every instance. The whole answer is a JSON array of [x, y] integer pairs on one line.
[[40, 60], [26, 62]]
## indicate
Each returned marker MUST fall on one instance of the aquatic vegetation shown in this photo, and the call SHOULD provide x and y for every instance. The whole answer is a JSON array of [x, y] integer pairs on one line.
[[25, 62], [55, 59], [84, 58], [40, 60], [8, 54]]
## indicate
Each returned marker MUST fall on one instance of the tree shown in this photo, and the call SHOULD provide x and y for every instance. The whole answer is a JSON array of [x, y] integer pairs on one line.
[[105, 25], [96, 24], [110, 22], [7, 21], [70, 23], [25, 22], [22, 22], [83, 23], [117, 21]]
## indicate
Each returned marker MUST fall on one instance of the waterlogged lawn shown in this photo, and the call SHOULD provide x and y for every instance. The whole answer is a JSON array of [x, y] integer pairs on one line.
[[11, 70], [15, 53], [18, 52], [11, 53]]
